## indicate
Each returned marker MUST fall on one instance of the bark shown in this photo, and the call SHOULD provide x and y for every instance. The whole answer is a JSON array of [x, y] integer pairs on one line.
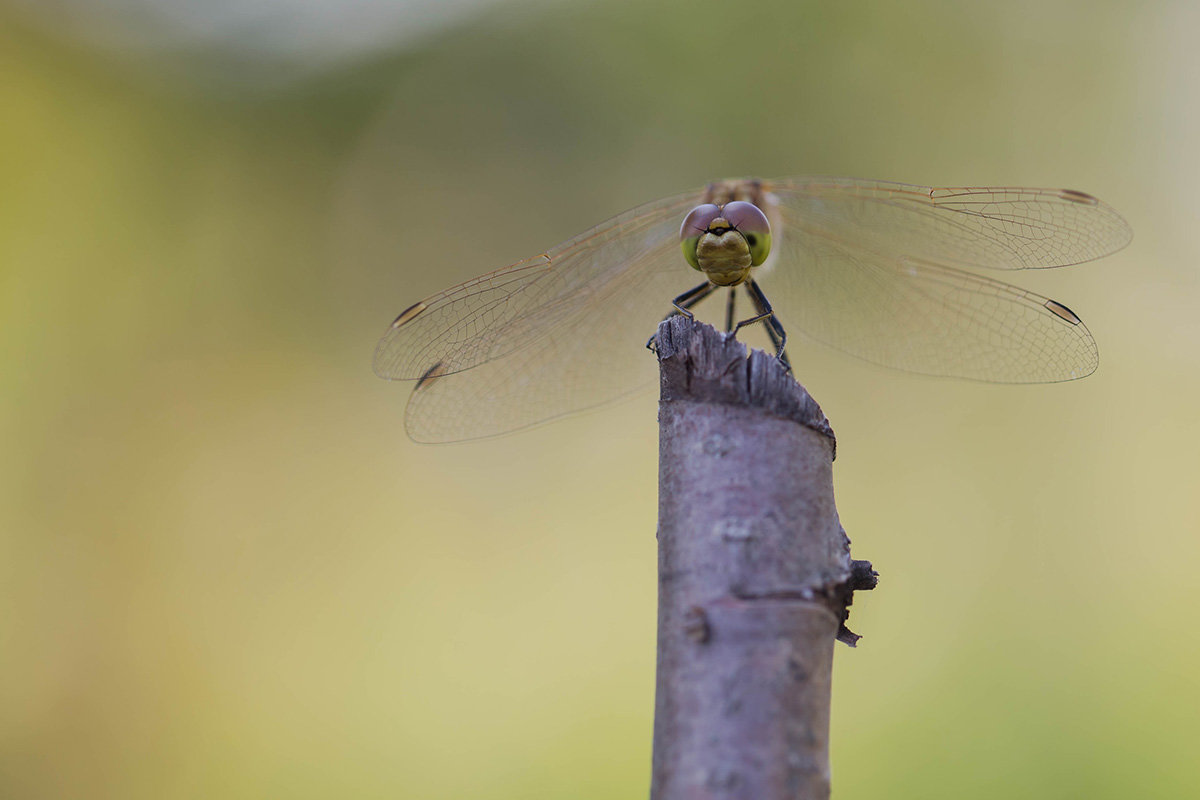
[[754, 575]]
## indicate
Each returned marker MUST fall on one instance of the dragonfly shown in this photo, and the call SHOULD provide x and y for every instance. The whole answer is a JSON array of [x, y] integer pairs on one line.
[[876, 269]]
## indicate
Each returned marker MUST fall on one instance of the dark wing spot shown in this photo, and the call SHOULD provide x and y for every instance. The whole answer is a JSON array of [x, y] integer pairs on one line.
[[409, 314], [1062, 311], [430, 375], [1078, 197]]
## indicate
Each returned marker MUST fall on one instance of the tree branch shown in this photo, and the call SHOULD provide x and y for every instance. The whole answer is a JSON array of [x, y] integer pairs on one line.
[[754, 575]]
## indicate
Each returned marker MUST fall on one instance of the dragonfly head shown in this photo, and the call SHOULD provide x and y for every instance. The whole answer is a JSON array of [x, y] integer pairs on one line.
[[724, 242]]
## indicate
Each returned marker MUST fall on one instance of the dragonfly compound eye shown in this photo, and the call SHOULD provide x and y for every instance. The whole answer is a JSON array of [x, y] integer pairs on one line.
[[695, 224], [749, 220]]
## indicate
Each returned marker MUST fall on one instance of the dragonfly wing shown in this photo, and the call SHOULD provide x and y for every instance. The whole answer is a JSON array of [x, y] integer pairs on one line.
[[998, 228], [596, 355], [543, 338], [915, 314], [504, 311]]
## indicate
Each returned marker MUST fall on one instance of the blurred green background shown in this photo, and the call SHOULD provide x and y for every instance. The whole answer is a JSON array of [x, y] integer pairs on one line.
[[225, 571]]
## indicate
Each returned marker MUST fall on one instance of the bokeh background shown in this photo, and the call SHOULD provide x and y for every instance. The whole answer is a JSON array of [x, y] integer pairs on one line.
[[225, 571]]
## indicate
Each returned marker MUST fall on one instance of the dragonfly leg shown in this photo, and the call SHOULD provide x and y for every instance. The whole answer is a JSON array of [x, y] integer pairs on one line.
[[683, 305], [730, 309], [684, 302], [774, 327]]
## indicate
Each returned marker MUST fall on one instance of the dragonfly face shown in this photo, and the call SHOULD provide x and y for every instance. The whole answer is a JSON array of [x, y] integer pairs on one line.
[[883, 271], [724, 242]]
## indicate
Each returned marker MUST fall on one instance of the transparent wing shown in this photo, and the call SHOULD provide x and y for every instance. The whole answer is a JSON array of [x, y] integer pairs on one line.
[[998, 228], [868, 267], [545, 337], [902, 307], [597, 355], [504, 311]]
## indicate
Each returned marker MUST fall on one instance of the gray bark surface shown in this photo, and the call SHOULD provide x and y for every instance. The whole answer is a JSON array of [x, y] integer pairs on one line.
[[754, 575]]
